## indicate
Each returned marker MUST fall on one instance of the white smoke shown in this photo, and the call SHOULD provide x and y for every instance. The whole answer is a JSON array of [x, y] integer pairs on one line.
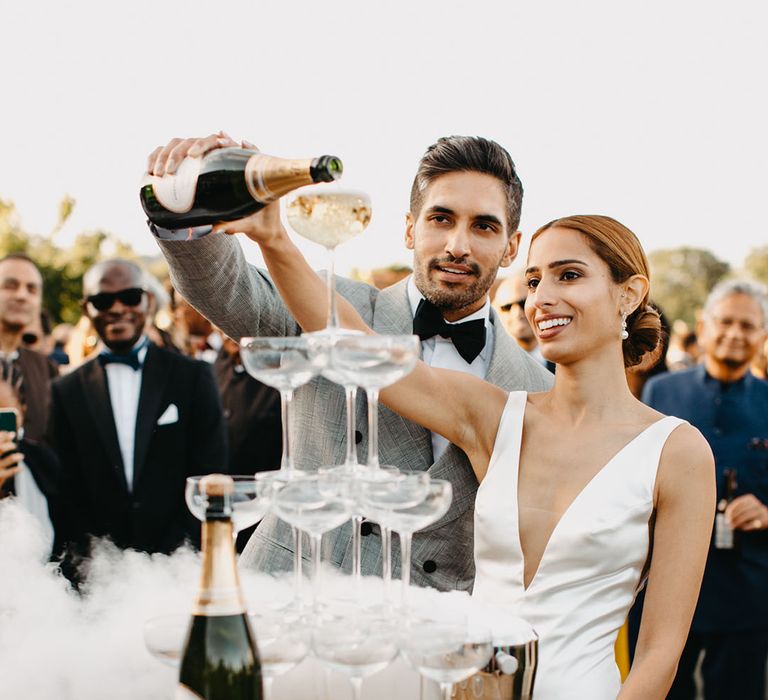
[[58, 645]]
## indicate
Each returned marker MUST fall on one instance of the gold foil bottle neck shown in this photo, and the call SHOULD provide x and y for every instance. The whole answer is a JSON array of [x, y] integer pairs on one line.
[[268, 178], [217, 485]]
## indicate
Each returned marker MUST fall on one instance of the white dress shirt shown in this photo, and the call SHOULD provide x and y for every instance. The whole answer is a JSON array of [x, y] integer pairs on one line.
[[441, 352], [124, 388]]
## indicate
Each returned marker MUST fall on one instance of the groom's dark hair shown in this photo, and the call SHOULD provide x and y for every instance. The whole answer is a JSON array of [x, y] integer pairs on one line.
[[469, 154]]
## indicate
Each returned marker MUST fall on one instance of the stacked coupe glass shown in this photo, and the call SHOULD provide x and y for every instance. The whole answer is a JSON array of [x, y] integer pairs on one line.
[[354, 635]]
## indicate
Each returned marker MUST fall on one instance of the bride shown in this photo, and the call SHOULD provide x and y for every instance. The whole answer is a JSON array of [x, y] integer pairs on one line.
[[584, 491]]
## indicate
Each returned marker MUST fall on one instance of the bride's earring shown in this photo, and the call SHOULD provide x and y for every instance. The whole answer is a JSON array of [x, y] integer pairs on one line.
[[624, 331]]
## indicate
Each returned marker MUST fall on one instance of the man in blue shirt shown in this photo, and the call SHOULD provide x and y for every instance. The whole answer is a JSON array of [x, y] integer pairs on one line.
[[730, 407]]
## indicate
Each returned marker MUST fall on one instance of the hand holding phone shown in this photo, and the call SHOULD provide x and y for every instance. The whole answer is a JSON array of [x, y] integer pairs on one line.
[[9, 461]]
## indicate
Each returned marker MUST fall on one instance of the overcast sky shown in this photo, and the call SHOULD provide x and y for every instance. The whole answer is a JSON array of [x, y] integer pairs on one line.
[[654, 113]]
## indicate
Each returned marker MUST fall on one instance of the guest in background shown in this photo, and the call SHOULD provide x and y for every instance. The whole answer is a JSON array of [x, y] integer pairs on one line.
[[60, 336], [195, 334], [130, 425], [730, 407], [21, 293], [252, 413], [28, 470], [509, 302], [158, 316]]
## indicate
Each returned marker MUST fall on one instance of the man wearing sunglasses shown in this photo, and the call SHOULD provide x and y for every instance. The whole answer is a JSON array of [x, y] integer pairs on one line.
[[132, 423], [509, 302]]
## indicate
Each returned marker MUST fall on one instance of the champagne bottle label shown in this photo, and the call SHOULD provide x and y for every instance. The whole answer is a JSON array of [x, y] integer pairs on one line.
[[184, 693], [177, 192]]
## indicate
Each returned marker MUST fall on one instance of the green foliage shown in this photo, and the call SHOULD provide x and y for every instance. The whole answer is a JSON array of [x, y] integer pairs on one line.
[[681, 279], [62, 268], [756, 264]]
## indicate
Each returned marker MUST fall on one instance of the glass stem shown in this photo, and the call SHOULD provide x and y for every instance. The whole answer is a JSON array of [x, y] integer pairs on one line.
[[357, 521], [357, 688], [386, 559], [333, 322], [297, 578], [445, 689], [351, 394], [405, 567], [373, 427], [286, 398], [267, 687], [314, 545]]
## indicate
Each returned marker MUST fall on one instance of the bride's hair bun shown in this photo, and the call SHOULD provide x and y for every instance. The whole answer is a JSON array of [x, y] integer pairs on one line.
[[644, 327]]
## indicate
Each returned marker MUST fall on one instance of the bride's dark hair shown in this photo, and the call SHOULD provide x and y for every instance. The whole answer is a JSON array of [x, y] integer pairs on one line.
[[619, 248]]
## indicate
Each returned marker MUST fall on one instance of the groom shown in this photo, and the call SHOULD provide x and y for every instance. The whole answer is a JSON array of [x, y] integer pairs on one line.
[[462, 226]]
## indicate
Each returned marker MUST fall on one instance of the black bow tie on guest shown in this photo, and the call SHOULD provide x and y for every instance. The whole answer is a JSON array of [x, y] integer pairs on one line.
[[467, 337], [130, 358]]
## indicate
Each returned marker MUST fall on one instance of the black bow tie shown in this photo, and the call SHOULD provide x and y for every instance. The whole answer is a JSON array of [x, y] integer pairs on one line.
[[467, 337], [131, 358]]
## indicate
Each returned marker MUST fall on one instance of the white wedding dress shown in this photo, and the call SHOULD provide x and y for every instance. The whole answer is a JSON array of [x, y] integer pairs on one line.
[[590, 570]]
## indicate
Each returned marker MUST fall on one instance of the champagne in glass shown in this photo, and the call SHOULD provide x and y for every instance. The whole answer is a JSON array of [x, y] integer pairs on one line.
[[329, 217]]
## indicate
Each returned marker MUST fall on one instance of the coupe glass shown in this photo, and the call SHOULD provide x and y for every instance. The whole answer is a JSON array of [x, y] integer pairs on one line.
[[285, 364], [405, 520], [378, 498], [358, 645], [164, 637], [329, 216], [374, 362], [249, 506], [314, 504], [283, 642], [446, 651]]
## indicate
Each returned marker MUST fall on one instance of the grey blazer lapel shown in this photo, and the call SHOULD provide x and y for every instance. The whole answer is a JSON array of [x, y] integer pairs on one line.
[[392, 313], [392, 316]]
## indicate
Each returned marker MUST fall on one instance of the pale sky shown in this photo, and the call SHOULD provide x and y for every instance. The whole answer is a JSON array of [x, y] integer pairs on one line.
[[654, 113]]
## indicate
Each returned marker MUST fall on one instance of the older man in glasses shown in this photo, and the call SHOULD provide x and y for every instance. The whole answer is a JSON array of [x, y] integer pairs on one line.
[[131, 424]]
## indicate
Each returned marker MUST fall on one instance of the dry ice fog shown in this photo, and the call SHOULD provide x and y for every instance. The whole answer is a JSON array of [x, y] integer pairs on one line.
[[58, 645]]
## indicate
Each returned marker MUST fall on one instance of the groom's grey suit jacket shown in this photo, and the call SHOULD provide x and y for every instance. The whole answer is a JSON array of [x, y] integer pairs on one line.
[[214, 277]]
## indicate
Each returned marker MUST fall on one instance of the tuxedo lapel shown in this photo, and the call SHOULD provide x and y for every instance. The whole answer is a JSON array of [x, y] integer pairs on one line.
[[96, 392], [392, 315], [505, 367], [155, 375]]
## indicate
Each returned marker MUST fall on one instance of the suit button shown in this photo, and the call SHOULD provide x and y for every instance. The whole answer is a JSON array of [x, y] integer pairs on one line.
[[429, 567], [366, 529], [358, 437]]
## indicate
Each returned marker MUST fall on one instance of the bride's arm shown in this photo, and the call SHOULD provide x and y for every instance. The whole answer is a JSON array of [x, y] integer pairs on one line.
[[460, 407], [685, 506]]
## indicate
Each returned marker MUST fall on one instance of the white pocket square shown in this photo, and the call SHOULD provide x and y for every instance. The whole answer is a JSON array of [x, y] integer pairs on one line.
[[170, 415]]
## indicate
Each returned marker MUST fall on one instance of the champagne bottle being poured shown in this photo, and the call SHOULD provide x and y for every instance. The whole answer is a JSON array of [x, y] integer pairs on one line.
[[224, 185]]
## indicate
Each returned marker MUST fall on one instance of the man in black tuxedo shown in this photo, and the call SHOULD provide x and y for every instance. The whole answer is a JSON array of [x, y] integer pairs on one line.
[[131, 424]]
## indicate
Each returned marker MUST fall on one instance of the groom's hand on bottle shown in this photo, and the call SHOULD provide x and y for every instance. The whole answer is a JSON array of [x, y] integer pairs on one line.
[[263, 227], [166, 159]]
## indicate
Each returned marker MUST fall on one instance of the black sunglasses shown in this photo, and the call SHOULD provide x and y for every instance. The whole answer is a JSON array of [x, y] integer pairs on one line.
[[104, 300], [506, 307]]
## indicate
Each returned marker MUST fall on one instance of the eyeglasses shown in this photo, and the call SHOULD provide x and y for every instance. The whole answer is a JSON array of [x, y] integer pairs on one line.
[[104, 300], [507, 307]]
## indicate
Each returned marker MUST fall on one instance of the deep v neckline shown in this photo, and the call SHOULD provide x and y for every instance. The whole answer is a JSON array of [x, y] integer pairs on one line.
[[575, 499]]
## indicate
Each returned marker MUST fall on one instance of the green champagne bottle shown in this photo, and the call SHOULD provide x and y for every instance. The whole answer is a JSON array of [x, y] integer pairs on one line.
[[220, 659], [225, 185]]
